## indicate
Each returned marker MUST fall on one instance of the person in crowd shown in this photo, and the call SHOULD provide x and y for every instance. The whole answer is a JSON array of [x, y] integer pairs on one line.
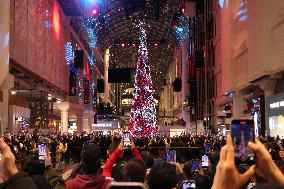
[[107, 170], [42, 170], [187, 169], [135, 171], [10, 175], [91, 164], [213, 161], [203, 182], [228, 177], [149, 160], [162, 175]]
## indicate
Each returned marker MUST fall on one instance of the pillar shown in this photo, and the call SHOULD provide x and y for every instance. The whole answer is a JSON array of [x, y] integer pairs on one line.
[[4, 39], [4, 62], [106, 65], [238, 107], [185, 84], [64, 108], [267, 86], [79, 122], [91, 121], [64, 120], [86, 124]]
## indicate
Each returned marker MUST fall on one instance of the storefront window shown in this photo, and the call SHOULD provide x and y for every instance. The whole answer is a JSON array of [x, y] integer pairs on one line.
[[276, 126]]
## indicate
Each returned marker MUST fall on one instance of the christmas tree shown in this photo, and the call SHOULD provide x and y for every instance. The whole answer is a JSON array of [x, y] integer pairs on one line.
[[143, 121]]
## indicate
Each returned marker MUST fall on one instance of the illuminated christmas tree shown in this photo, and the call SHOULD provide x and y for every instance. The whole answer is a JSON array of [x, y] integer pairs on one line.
[[143, 121]]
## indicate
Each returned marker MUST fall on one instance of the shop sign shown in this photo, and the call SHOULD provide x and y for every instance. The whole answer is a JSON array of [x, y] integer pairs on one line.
[[277, 104], [102, 125]]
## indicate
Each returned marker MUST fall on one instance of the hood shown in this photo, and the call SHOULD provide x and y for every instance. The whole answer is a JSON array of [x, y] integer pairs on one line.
[[91, 181]]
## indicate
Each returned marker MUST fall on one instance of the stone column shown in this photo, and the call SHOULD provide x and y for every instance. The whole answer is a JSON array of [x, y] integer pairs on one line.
[[90, 126], [79, 122], [4, 39], [238, 107], [4, 62], [106, 65], [268, 87], [64, 120], [64, 108]]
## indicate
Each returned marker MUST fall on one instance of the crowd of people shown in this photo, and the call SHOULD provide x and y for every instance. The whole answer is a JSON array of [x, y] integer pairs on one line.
[[93, 161]]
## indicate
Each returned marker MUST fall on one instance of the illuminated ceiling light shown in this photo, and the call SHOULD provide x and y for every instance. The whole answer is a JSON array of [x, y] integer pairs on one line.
[[95, 11], [49, 98], [13, 92], [58, 101], [122, 44], [156, 44]]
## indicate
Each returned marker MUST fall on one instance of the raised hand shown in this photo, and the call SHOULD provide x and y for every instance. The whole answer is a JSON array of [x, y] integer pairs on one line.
[[8, 166], [227, 175], [265, 166]]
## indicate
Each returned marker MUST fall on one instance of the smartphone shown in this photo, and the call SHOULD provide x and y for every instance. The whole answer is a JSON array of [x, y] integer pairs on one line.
[[188, 184], [171, 156], [207, 148], [205, 161], [126, 139], [195, 165], [42, 150], [126, 185], [15, 148], [242, 131]]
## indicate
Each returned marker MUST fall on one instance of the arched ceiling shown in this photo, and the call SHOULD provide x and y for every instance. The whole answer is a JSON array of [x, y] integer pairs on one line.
[[119, 19]]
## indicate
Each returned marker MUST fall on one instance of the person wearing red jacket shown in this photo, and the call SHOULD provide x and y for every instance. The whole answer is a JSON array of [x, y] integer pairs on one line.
[[90, 177], [118, 152]]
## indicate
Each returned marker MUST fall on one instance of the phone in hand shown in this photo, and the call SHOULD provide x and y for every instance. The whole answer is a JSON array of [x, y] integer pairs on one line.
[[126, 139], [205, 161], [195, 165], [42, 151], [15, 148], [188, 184], [171, 156], [242, 132], [126, 185]]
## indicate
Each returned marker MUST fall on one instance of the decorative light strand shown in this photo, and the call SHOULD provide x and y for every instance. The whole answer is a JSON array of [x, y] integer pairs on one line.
[[90, 25], [182, 30], [143, 120], [69, 53]]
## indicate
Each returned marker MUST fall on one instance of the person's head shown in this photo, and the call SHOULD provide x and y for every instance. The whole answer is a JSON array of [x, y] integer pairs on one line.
[[187, 169], [162, 175], [90, 158], [34, 167], [117, 172], [214, 157], [203, 182], [134, 170], [148, 158]]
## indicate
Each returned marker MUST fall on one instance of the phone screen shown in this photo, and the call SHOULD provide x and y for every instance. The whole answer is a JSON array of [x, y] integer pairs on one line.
[[242, 132], [171, 156], [126, 139], [205, 162], [188, 185], [195, 165], [42, 151]]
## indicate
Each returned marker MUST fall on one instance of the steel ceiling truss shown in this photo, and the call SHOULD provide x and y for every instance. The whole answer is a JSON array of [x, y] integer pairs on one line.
[[120, 21]]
